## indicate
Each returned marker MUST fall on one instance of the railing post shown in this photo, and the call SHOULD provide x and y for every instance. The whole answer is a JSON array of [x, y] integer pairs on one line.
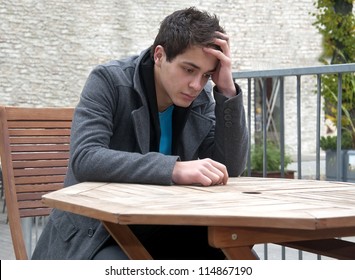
[[339, 136], [299, 137], [249, 126], [319, 91], [282, 125], [265, 115]]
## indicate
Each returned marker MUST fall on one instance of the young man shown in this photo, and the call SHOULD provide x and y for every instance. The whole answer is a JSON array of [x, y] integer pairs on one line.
[[153, 119]]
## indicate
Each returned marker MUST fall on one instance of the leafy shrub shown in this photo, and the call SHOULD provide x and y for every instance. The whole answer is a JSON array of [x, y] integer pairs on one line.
[[273, 158]]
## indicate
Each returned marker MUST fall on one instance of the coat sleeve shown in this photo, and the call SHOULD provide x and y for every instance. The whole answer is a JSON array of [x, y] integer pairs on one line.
[[228, 142], [92, 158]]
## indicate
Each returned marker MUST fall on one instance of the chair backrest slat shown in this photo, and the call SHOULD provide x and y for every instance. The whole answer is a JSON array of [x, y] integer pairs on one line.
[[34, 149]]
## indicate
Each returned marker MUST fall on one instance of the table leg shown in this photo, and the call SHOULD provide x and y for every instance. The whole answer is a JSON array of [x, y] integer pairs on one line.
[[226, 239], [127, 241], [237, 242], [240, 253]]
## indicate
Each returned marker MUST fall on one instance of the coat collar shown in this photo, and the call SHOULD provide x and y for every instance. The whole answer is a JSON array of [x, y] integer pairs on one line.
[[188, 123]]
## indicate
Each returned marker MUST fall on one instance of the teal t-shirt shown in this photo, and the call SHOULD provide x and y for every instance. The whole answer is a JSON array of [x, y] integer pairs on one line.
[[166, 130]]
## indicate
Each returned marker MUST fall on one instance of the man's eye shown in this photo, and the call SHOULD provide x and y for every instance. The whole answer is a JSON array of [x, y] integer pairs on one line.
[[207, 76], [189, 70]]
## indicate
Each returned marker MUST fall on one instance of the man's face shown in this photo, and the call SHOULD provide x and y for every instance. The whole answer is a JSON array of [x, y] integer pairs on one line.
[[181, 80]]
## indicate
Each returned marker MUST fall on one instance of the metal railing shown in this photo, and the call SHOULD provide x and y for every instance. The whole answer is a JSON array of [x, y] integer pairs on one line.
[[247, 77]]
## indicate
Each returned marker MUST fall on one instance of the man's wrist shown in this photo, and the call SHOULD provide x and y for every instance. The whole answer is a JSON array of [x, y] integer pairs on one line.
[[230, 91]]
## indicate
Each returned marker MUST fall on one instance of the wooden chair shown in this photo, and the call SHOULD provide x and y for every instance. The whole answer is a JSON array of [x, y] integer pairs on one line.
[[34, 151], [2, 191]]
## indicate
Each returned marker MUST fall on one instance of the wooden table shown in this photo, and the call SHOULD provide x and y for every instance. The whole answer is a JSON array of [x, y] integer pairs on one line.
[[304, 214]]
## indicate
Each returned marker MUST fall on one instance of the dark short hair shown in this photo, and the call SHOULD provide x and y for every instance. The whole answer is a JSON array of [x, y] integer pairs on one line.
[[185, 28]]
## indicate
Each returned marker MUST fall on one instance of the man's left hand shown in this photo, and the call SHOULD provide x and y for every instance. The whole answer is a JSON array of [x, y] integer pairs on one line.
[[223, 75]]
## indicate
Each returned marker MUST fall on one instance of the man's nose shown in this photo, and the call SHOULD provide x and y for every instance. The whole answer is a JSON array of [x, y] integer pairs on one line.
[[197, 83]]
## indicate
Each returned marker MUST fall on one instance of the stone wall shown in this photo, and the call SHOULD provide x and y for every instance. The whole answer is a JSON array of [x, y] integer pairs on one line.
[[47, 47]]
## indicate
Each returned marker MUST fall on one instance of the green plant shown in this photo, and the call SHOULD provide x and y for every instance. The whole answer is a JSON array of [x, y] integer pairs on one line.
[[348, 109], [330, 142], [273, 158], [335, 21]]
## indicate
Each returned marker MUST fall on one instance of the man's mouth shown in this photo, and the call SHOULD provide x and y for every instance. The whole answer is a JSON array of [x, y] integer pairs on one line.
[[189, 97]]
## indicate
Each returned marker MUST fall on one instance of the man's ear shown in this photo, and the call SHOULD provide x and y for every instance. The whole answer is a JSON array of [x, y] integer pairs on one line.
[[159, 54]]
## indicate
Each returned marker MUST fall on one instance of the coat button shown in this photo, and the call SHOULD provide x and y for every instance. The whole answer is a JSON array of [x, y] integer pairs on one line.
[[227, 117], [91, 232], [227, 110], [228, 124]]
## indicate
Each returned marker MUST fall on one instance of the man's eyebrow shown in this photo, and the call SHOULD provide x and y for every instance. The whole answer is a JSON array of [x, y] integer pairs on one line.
[[198, 67]]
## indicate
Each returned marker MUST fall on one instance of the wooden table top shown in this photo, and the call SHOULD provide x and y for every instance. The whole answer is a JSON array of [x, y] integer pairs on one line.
[[244, 202]]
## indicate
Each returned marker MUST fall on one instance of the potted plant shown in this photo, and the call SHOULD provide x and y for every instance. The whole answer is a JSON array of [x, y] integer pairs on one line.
[[273, 161], [335, 21], [346, 128], [347, 157]]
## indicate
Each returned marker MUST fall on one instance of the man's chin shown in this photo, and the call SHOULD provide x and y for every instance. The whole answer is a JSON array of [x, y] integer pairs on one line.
[[183, 104]]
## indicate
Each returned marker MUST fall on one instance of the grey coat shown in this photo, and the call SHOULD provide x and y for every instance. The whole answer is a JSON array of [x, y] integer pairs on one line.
[[109, 135]]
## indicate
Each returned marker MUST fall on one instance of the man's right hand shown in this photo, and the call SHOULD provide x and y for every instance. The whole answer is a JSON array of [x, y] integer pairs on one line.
[[205, 172]]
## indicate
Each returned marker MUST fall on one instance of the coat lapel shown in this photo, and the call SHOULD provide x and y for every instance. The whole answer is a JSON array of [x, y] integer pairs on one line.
[[195, 131], [142, 128]]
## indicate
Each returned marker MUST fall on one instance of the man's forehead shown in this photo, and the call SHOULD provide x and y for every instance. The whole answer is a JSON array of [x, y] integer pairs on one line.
[[194, 65], [197, 58]]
